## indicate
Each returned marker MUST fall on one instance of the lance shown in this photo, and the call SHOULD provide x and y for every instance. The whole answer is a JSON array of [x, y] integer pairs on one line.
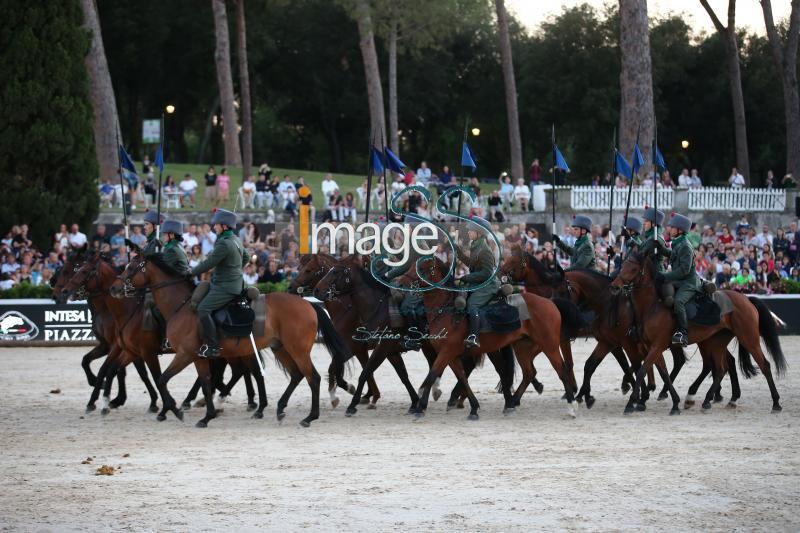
[[160, 173], [630, 184], [385, 182], [461, 179], [655, 178], [122, 192], [611, 187], [553, 139], [370, 171]]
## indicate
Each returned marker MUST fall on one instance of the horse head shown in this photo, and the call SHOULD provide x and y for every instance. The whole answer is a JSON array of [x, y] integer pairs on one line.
[[633, 272], [82, 280], [313, 268], [340, 279]]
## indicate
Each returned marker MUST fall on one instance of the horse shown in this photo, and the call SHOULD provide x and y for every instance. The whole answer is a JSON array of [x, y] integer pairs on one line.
[[366, 309], [291, 326], [540, 332], [749, 321]]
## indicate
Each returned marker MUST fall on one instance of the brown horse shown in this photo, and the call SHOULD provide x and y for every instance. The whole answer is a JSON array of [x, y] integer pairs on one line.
[[291, 326], [540, 332], [749, 320]]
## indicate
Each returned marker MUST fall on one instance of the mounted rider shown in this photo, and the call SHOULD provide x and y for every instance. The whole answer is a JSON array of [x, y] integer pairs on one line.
[[482, 265], [632, 230], [682, 275], [653, 218], [151, 222], [582, 254], [173, 253], [411, 306], [228, 258]]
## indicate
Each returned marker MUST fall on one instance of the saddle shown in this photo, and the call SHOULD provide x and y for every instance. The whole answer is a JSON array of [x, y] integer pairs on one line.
[[238, 318], [707, 310], [504, 313]]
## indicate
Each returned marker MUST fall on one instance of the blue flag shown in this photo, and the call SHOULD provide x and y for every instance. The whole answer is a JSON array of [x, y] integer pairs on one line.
[[392, 162], [637, 161], [125, 160], [467, 157], [658, 160], [159, 162], [623, 167], [376, 160], [560, 162]]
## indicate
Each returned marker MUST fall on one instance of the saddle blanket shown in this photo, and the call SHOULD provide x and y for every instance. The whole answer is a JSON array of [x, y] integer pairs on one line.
[[706, 311]]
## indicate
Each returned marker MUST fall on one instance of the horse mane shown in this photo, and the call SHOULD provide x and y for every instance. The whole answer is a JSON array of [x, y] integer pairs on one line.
[[593, 273], [547, 276], [370, 281], [158, 260]]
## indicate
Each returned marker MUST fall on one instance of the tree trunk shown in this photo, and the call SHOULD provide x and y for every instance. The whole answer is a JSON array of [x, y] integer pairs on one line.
[[222, 56], [735, 79], [637, 114], [786, 62], [201, 153], [514, 138], [244, 88], [394, 126], [106, 122], [371, 70]]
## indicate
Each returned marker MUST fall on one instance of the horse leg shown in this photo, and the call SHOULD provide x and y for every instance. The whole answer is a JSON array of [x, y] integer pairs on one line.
[[141, 369], [151, 360], [500, 361], [295, 376], [754, 348], [456, 400], [689, 400], [313, 382], [676, 400], [400, 367], [554, 356], [374, 361], [115, 369], [566, 351], [622, 360], [718, 373], [372, 387], [736, 391], [95, 353], [458, 370], [430, 356], [204, 372], [248, 375], [524, 352], [598, 354], [678, 360], [651, 380], [179, 362], [187, 402], [254, 370], [101, 376]]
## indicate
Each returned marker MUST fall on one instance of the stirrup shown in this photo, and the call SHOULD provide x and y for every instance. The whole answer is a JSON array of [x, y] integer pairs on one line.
[[207, 352], [472, 341], [680, 337], [165, 345]]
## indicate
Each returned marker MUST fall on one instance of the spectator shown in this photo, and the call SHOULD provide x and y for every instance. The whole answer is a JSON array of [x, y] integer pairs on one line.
[[223, 186], [210, 193], [10, 264], [684, 180], [695, 182], [770, 181], [506, 190], [265, 170], [347, 207], [264, 195], [137, 237], [249, 193], [100, 237], [106, 191], [250, 276], [190, 236], [169, 185], [736, 180], [272, 274], [76, 239], [207, 239], [535, 173], [188, 187], [150, 190], [666, 181], [329, 187], [423, 174], [147, 168], [285, 184], [522, 194], [496, 207], [765, 237], [780, 243]]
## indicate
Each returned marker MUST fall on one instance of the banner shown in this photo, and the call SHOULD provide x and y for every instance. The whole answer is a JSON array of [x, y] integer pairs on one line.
[[44, 320], [151, 131]]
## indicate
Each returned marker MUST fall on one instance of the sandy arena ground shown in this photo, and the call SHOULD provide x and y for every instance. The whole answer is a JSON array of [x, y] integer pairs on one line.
[[534, 470]]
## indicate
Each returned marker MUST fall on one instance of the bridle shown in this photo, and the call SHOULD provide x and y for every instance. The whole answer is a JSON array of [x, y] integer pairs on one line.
[[638, 281]]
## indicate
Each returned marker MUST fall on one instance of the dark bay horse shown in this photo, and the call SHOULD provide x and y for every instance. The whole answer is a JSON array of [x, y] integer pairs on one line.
[[750, 321], [540, 332], [291, 326]]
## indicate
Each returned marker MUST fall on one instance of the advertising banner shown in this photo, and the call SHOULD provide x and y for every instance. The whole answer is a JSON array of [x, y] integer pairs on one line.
[[44, 320]]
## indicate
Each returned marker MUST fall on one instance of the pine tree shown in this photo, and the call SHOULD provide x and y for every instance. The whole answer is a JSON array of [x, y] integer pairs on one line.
[[48, 168]]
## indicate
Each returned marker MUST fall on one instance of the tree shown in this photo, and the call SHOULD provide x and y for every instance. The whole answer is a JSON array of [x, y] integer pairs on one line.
[[222, 57], [514, 139], [244, 88], [785, 56], [372, 72], [735, 80], [394, 120], [636, 78], [48, 168], [106, 122]]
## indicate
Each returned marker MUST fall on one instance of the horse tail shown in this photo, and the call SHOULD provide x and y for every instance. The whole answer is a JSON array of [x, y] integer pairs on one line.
[[571, 320], [769, 333], [330, 337], [746, 363]]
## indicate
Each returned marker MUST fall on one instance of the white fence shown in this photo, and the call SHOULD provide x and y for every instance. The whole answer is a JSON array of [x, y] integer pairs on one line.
[[725, 199], [598, 198]]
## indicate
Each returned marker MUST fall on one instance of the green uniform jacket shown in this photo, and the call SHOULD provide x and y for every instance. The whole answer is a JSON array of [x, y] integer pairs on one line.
[[681, 259], [649, 246], [581, 255], [228, 258], [153, 245], [174, 256], [633, 244], [481, 267]]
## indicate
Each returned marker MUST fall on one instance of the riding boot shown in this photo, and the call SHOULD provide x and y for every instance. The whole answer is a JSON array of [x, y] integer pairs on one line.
[[208, 332], [681, 335], [474, 328]]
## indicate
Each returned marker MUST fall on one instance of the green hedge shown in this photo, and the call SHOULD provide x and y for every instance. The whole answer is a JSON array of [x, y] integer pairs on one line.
[[787, 286], [26, 290]]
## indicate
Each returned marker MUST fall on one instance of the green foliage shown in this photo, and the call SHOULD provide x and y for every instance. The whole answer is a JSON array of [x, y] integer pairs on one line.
[[786, 286], [48, 169], [26, 290], [266, 288]]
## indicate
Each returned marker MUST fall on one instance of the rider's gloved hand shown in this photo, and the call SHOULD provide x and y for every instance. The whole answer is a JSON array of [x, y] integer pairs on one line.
[[556, 239]]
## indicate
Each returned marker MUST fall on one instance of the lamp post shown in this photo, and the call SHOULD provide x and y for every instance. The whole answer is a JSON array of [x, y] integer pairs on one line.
[[476, 131], [170, 109]]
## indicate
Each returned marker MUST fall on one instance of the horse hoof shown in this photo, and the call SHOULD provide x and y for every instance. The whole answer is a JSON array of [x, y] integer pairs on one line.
[[351, 389], [460, 405], [675, 411], [350, 412], [641, 406], [201, 424], [571, 411], [629, 409], [776, 408], [651, 387], [371, 406], [153, 408], [625, 388], [419, 415], [92, 381], [472, 416], [305, 423], [90, 408], [200, 403], [334, 403], [731, 405], [104, 411], [113, 404], [281, 416], [437, 394], [589, 402], [718, 399], [161, 417], [179, 414], [662, 396], [539, 387], [258, 414], [364, 400], [706, 405], [252, 406], [186, 405], [579, 400], [509, 410]]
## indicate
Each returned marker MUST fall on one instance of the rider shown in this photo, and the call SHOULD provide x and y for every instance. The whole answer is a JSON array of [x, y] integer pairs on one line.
[[174, 257], [582, 254], [151, 221], [683, 275], [228, 258], [632, 230], [481, 265], [653, 218]]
